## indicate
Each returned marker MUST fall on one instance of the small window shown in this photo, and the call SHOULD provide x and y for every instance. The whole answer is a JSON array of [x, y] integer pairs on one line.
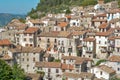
[[34, 59], [25, 39], [100, 72], [27, 59], [57, 71], [99, 42], [49, 70]]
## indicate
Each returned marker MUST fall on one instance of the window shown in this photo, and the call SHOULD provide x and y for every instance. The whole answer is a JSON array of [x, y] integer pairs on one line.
[[62, 42], [31, 39], [100, 72], [99, 42], [118, 69], [23, 59], [25, 39], [105, 42], [48, 40], [58, 42], [30, 44], [49, 70], [27, 59], [55, 41], [34, 59], [57, 71]]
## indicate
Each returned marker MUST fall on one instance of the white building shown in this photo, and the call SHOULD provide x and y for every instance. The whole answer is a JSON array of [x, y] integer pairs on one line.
[[103, 72]]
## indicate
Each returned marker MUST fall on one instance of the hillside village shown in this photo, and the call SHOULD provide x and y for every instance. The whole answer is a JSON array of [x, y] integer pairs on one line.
[[82, 45]]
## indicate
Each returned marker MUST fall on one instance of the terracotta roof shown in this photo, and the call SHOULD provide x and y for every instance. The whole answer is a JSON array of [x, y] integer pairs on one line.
[[58, 34], [103, 25], [48, 64], [77, 33], [102, 15], [49, 34], [112, 38], [114, 20], [89, 39], [114, 58], [67, 67], [68, 16], [62, 24], [17, 24], [114, 11], [106, 69], [27, 50], [64, 34], [75, 28], [103, 33], [82, 75], [117, 37], [31, 30], [6, 57], [99, 20], [5, 42]]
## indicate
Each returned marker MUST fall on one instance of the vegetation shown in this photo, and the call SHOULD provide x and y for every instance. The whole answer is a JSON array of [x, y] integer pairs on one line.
[[57, 60], [59, 6], [100, 61], [8, 73]]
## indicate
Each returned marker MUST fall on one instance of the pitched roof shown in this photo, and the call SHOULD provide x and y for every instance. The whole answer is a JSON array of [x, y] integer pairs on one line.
[[75, 33], [106, 69], [5, 42], [103, 33], [79, 75], [27, 49], [6, 57], [67, 67], [58, 34], [48, 64], [31, 30], [62, 24], [99, 20], [103, 25], [102, 15], [89, 39], [114, 58]]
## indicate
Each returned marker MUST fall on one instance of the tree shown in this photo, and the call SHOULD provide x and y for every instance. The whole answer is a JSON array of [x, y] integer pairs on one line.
[[10, 73], [68, 11], [17, 72], [5, 71]]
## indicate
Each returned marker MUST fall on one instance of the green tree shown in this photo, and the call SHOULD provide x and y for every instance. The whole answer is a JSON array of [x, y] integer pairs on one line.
[[17, 72], [5, 71], [68, 11], [100, 61], [10, 73]]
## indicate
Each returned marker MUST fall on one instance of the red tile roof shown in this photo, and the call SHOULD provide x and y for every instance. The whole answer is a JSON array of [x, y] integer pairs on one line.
[[5, 42], [104, 25], [31, 30], [114, 58], [89, 39], [62, 24], [67, 67]]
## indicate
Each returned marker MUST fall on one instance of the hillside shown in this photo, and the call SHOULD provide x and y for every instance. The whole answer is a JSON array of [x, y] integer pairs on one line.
[[58, 6], [6, 18]]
